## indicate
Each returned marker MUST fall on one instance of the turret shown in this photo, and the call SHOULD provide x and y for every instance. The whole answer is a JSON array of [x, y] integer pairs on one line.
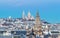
[[23, 15]]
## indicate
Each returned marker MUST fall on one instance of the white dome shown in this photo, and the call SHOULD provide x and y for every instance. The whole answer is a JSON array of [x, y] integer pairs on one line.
[[29, 15], [32, 18]]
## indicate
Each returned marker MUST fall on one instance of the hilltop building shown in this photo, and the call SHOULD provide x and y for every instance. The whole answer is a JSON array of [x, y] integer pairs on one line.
[[28, 17]]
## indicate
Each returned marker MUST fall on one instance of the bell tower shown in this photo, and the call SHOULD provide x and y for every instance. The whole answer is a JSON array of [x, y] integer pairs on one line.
[[38, 25]]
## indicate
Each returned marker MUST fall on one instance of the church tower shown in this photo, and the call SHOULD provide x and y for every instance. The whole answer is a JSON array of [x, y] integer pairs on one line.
[[38, 25]]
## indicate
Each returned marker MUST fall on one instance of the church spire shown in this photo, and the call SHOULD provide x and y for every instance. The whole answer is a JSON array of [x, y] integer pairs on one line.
[[37, 20], [23, 15], [37, 14], [38, 26]]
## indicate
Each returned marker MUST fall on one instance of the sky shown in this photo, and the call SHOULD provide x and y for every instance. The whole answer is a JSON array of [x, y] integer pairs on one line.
[[49, 10]]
